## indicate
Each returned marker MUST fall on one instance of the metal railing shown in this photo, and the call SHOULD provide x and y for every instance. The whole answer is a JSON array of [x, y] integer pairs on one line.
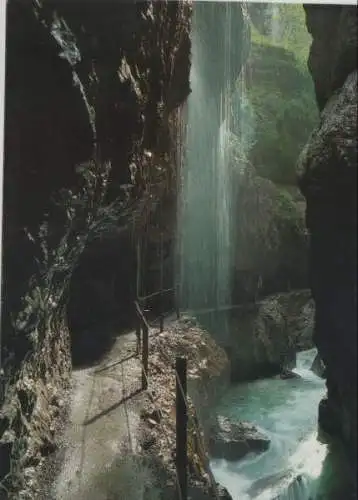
[[143, 301]]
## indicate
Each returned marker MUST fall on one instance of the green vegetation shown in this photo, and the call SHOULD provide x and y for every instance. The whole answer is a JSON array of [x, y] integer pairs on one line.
[[280, 91], [293, 34]]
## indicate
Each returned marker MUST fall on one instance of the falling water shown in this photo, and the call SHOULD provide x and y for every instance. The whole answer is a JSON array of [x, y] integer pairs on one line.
[[242, 123], [275, 22], [206, 222]]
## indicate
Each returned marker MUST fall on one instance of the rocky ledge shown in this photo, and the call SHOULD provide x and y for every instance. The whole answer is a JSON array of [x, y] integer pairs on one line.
[[234, 440], [262, 338], [208, 368]]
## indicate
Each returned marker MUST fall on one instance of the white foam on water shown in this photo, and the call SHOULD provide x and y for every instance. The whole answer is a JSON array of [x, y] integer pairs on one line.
[[286, 411]]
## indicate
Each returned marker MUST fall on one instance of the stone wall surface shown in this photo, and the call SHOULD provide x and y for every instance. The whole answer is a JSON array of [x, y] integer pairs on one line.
[[86, 83], [328, 179]]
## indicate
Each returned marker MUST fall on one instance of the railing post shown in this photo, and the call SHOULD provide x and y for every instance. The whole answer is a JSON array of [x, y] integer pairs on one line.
[[138, 333], [145, 353], [176, 298], [161, 305], [2, 386], [138, 274], [181, 427]]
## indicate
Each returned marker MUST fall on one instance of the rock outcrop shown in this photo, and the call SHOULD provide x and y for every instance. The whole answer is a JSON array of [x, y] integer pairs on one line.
[[273, 114], [262, 338], [328, 179], [270, 238], [87, 83], [282, 484], [110, 80], [233, 440], [318, 367], [207, 379]]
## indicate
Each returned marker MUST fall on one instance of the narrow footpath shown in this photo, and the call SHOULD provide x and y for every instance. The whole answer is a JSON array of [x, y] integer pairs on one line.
[[103, 422]]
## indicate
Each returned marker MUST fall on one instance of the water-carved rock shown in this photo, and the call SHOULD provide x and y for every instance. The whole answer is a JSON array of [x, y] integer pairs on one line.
[[234, 440], [262, 339], [287, 375], [279, 485], [318, 367], [328, 179]]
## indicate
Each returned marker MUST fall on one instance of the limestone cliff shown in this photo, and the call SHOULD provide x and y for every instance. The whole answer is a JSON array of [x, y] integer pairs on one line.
[[76, 82], [328, 179], [90, 84]]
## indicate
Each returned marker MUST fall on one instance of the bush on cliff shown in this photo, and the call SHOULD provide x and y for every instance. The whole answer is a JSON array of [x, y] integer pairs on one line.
[[271, 238], [280, 91]]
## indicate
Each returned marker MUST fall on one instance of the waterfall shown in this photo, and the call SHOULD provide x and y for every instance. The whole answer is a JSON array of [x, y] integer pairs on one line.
[[297, 489], [206, 202], [304, 360], [242, 114], [275, 22]]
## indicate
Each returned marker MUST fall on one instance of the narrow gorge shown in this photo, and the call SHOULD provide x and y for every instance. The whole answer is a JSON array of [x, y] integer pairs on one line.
[[196, 160]]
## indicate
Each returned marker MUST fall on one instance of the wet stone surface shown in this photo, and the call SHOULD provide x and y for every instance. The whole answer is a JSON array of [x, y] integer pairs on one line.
[[233, 440]]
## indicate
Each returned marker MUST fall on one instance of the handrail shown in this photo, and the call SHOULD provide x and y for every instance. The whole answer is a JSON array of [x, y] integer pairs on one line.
[[141, 315], [145, 297], [145, 384]]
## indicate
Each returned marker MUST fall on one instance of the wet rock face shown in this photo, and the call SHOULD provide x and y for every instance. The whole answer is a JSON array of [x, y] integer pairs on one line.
[[79, 74], [334, 44], [80, 71], [287, 484], [233, 440], [262, 339], [83, 74], [318, 367], [328, 179], [270, 238]]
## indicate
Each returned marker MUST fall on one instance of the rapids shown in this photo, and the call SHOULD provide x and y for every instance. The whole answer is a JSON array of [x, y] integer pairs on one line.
[[296, 465]]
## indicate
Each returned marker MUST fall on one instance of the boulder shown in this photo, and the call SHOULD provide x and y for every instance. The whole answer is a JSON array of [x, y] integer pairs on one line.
[[233, 440], [280, 485], [318, 367], [270, 239], [222, 492], [287, 374], [262, 339]]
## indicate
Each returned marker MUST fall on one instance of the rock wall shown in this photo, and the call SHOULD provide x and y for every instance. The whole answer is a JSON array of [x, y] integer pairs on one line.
[[328, 179], [263, 337], [273, 113], [85, 80], [76, 82], [270, 238]]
